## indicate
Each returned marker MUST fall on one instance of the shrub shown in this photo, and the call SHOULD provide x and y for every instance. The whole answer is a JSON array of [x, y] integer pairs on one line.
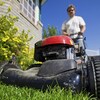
[[13, 42]]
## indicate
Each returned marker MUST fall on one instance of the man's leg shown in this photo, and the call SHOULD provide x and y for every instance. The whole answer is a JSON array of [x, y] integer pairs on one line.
[[81, 44]]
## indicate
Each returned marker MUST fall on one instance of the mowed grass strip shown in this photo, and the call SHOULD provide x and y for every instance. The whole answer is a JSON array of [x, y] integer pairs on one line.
[[24, 93]]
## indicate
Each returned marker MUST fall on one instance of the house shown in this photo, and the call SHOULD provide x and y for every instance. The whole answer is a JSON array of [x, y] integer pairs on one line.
[[92, 52], [29, 13]]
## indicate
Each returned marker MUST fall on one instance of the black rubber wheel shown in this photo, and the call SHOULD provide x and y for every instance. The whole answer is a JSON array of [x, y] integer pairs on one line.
[[94, 75]]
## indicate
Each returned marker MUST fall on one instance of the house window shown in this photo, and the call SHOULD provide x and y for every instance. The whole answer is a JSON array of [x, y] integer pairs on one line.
[[27, 8]]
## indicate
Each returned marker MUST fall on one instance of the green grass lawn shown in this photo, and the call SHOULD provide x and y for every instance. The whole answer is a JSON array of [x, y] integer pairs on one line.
[[24, 93]]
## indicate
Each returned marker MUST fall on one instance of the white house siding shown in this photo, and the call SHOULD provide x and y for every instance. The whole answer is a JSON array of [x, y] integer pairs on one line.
[[37, 11], [23, 23]]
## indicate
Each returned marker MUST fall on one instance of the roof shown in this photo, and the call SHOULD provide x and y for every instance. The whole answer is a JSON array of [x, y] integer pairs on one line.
[[43, 1]]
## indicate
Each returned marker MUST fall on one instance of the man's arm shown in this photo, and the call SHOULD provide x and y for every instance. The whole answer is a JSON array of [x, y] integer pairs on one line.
[[64, 29], [65, 33], [82, 25], [82, 29]]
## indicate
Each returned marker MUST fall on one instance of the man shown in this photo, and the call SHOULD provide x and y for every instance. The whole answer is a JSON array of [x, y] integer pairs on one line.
[[74, 25]]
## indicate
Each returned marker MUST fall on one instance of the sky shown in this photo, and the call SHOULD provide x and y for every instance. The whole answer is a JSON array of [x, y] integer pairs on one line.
[[54, 13]]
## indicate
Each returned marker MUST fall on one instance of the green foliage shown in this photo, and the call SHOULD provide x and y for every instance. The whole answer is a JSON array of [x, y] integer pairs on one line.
[[1, 3], [56, 93], [13, 42], [51, 31]]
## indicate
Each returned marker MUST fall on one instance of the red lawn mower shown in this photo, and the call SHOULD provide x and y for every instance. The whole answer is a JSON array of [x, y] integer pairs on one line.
[[62, 64]]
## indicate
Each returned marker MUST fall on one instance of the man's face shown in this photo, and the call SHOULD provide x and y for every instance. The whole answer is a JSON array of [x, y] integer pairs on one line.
[[71, 12]]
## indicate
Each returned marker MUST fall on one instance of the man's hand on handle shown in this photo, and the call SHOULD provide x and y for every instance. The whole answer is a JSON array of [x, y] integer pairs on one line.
[[80, 33], [65, 33]]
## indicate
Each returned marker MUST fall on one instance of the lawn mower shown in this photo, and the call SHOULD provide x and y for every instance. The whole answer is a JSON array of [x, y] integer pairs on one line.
[[63, 64]]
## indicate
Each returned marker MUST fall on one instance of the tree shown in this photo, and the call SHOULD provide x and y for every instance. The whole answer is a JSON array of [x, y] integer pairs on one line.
[[51, 31]]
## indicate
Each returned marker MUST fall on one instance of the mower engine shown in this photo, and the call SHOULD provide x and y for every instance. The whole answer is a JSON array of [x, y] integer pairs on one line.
[[56, 47]]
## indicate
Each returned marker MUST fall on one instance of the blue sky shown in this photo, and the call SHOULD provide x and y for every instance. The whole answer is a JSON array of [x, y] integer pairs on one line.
[[54, 13]]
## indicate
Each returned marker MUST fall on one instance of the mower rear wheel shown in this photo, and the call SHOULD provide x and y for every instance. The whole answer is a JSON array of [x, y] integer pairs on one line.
[[95, 75]]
